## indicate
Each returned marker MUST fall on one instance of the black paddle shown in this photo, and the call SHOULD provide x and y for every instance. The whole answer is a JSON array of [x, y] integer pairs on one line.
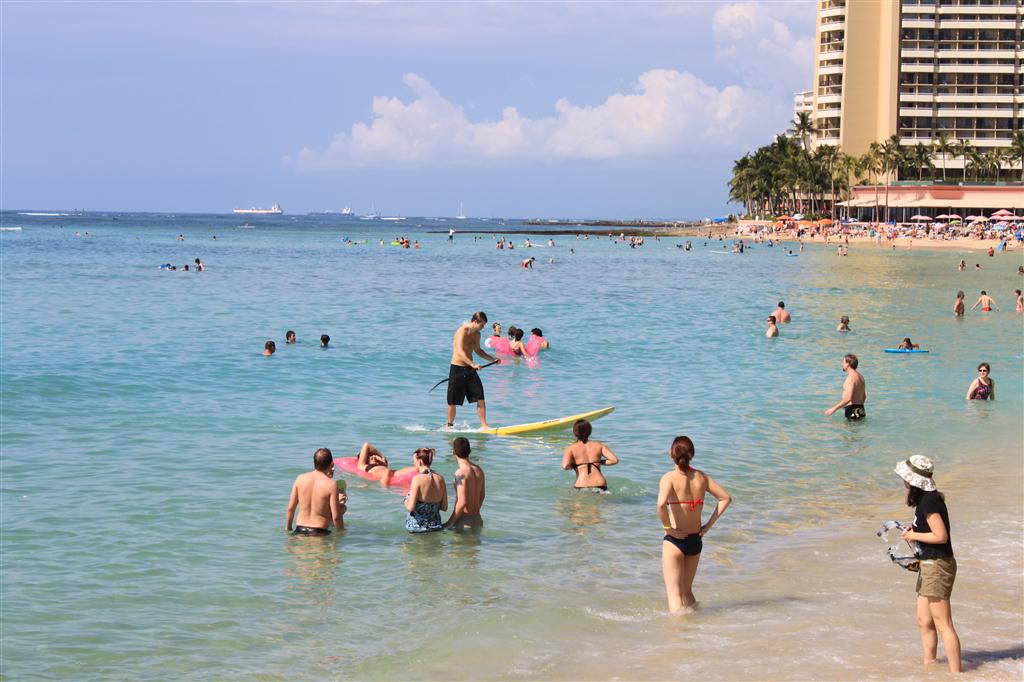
[[481, 367]]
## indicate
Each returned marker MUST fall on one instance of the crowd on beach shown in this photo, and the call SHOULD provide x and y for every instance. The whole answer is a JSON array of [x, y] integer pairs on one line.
[[1003, 232]]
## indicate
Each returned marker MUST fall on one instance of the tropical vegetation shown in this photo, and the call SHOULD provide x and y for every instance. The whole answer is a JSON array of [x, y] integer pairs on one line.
[[788, 176]]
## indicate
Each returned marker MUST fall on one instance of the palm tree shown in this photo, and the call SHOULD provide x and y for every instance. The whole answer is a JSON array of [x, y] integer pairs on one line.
[[943, 146], [994, 160], [1017, 150], [976, 160], [803, 126], [871, 166], [892, 157], [920, 156], [828, 156], [849, 165], [962, 148]]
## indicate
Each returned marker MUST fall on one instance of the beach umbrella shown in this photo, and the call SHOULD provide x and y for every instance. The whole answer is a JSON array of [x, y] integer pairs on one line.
[[825, 221], [943, 216], [954, 215], [784, 217], [921, 217], [1002, 212]]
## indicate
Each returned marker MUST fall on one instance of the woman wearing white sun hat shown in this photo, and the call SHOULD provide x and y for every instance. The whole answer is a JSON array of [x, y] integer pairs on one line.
[[938, 566]]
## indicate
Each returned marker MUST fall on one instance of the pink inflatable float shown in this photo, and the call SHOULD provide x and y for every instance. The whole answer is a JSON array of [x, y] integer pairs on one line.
[[349, 466]]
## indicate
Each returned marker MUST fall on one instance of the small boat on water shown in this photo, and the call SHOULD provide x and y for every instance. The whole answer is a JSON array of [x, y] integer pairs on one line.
[[462, 214], [346, 211]]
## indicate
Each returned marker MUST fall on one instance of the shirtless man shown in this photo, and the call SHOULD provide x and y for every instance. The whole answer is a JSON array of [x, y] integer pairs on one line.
[[463, 381], [986, 302], [781, 315], [317, 498], [854, 392], [773, 328], [958, 305], [469, 489]]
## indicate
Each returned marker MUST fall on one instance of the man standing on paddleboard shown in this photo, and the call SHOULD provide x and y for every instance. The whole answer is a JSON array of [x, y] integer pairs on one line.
[[463, 381]]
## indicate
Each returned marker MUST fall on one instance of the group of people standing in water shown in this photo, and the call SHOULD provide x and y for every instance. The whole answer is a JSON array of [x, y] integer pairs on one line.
[[682, 491]]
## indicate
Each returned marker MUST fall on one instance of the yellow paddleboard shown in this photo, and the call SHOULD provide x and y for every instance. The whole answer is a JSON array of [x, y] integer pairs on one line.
[[548, 425]]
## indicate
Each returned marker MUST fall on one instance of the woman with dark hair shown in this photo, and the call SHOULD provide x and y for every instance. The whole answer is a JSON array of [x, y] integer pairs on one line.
[[586, 456], [680, 503], [428, 495], [515, 344], [536, 343], [931, 532], [984, 386]]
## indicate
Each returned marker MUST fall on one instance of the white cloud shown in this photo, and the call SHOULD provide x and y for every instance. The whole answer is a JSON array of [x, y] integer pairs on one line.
[[669, 112], [756, 37]]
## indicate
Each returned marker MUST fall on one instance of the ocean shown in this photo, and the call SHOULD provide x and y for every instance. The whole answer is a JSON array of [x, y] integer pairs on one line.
[[148, 450]]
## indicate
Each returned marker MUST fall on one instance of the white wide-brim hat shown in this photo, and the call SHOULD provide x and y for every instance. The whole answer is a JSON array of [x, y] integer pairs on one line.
[[917, 471]]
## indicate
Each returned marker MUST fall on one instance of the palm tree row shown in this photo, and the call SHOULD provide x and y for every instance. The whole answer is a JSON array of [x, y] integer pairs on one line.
[[787, 176]]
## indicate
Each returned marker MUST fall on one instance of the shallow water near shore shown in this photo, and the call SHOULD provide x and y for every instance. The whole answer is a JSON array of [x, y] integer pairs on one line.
[[148, 451]]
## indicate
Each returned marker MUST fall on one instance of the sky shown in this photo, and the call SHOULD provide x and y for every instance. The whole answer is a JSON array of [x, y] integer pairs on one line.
[[588, 110]]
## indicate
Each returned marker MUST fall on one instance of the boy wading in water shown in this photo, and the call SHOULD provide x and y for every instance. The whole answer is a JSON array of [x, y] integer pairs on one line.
[[463, 381]]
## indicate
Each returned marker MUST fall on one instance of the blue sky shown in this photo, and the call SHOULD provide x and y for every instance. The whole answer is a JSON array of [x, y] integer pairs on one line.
[[516, 109]]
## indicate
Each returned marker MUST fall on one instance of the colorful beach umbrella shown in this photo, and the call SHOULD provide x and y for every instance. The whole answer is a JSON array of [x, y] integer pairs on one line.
[[1002, 212], [943, 216], [784, 217], [954, 215], [825, 221], [921, 217]]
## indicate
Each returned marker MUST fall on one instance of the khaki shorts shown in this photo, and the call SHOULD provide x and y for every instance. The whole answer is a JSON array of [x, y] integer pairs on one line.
[[936, 578]]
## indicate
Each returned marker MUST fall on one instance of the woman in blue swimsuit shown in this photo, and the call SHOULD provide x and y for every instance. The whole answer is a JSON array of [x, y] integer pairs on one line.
[[680, 503], [428, 495]]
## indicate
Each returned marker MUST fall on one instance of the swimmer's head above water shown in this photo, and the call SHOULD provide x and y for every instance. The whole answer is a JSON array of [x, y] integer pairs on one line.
[[269, 347], [324, 340]]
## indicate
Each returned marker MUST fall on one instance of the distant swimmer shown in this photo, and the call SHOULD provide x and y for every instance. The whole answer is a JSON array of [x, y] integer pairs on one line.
[[470, 489], [463, 381], [986, 302], [527, 263], [844, 324], [516, 341], [977, 266], [181, 237], [416, 244], [586, 457], [428, 495], [451, 235], [962, 266], [1020, 301], [289, 336], [907, 344], [984, 386], [551, 242], [958, 305], [773, 328], [199, 265], [317, 498], [680, 505], [854, 391], [781, 314], [324, 340], [269, 347]]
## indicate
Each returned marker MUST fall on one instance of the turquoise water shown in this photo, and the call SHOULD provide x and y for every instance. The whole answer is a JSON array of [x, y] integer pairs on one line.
[[148, 447]]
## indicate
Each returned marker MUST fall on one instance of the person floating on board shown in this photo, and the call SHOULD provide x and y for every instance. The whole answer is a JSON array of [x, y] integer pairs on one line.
[[907, 344], [854, 391], [463, 381], [318, 498]]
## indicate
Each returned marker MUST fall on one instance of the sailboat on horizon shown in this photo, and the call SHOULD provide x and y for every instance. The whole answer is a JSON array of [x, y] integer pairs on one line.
[[372, 215], [462, 214]]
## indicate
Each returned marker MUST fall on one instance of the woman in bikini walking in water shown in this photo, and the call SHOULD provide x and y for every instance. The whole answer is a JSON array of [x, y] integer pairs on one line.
[[680, 503], [586, 457]]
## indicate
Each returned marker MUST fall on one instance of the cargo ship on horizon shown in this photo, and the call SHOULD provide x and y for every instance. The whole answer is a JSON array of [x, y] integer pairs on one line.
[[273, 210]]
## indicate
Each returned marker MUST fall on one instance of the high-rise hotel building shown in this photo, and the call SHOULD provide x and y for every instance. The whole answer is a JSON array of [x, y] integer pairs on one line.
[[918, 69]]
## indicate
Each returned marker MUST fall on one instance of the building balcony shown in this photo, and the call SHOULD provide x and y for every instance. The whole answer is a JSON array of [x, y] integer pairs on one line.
[[832, 12], [832, 70], [953, 10]]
